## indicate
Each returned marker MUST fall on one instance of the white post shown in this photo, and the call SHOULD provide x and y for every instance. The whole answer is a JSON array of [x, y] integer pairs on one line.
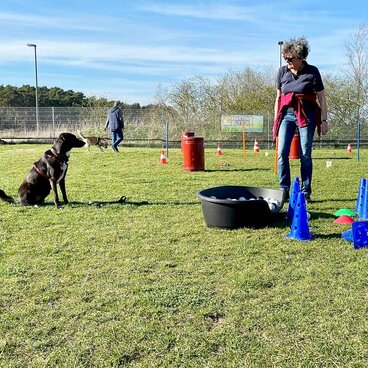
[[36, 74], [53, 121]]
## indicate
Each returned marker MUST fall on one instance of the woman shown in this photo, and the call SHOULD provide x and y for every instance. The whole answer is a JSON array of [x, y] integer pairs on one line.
[[115, 122], [300, 104]]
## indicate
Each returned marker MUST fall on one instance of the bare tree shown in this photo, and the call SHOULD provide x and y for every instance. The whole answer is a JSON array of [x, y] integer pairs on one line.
[[356, 50]]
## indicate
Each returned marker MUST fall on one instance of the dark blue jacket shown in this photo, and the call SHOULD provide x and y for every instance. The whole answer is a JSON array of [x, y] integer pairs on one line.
[[115, 118]]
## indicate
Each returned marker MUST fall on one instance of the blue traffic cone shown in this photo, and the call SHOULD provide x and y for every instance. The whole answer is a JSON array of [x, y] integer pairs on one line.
[[296, 186], [360, 198], [295, 190], [348, 235], [360, 234], [363, 213], [299, 227]]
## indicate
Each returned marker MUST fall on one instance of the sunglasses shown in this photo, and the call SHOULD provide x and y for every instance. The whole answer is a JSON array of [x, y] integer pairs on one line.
[[289, 59]]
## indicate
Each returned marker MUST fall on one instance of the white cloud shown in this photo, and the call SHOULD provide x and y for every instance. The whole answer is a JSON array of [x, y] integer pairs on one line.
[[81, 52], [206, 11], [162, 42], [160, 61], [89, 23]]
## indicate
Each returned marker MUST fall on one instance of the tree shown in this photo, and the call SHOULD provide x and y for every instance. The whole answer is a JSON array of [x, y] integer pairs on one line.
[[9, 96], [356, 50], [183, 97], [25, 96]]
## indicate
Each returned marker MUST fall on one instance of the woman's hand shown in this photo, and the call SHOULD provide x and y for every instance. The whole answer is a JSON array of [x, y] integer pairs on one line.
[[324, 127]]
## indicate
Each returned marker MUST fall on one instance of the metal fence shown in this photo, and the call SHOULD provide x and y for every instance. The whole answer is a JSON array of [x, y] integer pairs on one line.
[[21, 122], [150, 126]]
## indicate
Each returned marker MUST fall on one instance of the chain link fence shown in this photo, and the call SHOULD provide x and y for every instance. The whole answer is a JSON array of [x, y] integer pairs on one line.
[[149, 126]]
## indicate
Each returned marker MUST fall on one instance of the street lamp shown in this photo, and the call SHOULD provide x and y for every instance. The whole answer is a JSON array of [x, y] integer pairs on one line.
[[280, 43], [35, 57]]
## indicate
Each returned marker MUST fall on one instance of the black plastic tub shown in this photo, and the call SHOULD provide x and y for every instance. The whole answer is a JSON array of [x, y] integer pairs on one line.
[[228, 212]]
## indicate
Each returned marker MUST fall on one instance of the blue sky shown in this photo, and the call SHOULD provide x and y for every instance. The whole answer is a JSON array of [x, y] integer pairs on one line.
[[125, 49]]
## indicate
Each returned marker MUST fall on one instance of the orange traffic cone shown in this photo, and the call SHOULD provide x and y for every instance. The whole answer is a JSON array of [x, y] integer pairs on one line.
[[163, 159], [256, 146], [218, 151], [348, 148]]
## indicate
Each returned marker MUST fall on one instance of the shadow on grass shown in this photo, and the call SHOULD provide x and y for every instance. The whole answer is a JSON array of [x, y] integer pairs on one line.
[[333, 200], [225, 169], [329, 236], [120, 202], [332, 158], [321, 215], [123, 201]]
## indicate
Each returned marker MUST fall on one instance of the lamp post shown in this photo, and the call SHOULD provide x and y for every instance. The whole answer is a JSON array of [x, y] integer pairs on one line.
[[35, 57], [280, 43]]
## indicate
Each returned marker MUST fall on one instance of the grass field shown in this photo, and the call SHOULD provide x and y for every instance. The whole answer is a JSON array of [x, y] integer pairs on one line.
[[149, 285]]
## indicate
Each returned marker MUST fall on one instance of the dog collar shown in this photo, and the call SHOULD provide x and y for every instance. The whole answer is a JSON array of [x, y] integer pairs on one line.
[[40, 172], [57, 156]]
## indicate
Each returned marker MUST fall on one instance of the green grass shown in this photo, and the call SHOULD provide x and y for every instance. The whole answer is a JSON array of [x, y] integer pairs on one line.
[[151, 286]]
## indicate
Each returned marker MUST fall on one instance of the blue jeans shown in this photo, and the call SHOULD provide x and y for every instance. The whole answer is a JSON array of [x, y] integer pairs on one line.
[[117, 136], [285, 136]]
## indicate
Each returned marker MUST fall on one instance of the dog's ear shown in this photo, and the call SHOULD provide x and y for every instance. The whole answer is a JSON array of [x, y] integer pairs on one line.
[[65, 136], [62, 137]]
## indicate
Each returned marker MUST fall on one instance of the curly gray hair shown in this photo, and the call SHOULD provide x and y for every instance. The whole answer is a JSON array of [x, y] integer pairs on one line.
[[298, 47]]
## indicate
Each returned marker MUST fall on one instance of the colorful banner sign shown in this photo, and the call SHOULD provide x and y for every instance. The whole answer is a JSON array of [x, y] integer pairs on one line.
[[234, 123]]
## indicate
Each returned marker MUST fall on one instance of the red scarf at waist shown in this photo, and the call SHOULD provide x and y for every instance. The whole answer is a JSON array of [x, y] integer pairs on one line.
[[295, 100]]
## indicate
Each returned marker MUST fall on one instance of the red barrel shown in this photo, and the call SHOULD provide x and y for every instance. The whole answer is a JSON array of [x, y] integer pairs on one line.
[[193, 153], [185, 135], [294, 153]]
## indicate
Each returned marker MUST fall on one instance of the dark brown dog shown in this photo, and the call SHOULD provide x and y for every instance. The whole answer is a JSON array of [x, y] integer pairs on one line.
[[46, 173]]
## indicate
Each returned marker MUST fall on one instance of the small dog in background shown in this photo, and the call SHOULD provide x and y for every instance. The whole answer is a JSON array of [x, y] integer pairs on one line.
[[94, 141]]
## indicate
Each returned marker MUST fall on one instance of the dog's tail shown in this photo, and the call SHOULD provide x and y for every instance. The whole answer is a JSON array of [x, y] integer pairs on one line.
[[80, 134], [5, 198]]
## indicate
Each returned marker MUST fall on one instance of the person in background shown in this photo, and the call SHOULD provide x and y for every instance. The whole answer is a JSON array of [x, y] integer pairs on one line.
[[115, 123], [300, 104]]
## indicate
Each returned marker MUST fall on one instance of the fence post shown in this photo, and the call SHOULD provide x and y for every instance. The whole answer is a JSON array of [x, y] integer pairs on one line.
[[167, 138], [358, 139], [53, 121], [268, 130]]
